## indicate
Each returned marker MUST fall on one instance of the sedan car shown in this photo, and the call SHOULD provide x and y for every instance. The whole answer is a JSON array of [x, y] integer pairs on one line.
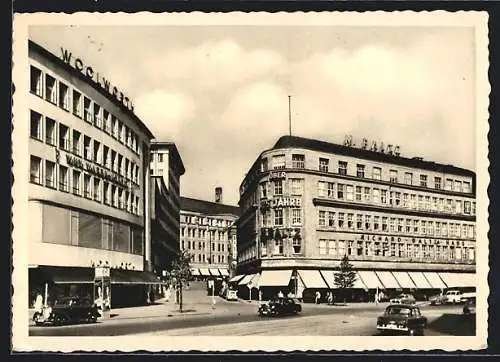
[[470, 306], [402, 319], [280, 306], [67, 310], [403, 299], [438, 299]]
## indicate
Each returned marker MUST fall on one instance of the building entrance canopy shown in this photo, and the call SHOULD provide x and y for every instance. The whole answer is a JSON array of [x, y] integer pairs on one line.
[[275, 278]]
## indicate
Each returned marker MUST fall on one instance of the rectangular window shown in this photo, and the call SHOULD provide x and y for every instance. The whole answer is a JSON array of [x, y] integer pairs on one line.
[[359, 221], [36, 125], [278, 187], [341, 220], [331, 219], [298, 161], [122, 134], [423, 180], [457, 186], [50, 131], [384, 223], [87, 109], [278, 162], [342, 168], [63, 178], [368, 222], [383, 196], [376, 222], [278, 217], [296, 216], [97, 116], [349, 193], [340, 191], [97, 189], [467, 207], [296, 186], [377, 172], [77, 103], [77, 146], [64, 96], [360, 171], [408, 226], [322, 218], [458, 206], [366, 194], [120, 165], [107, 121], [323, 164], [107, 193], [466, 187], [358, 193], [116, 127], [448, 185], [87, 146], [406, 202], [322, 247], [437, 183], [64, 138], [393, 176], [321, 189], [77, 183], [263, 189], [36, 81], [36, 170], [50, 89], [408, 178], [87, 186]]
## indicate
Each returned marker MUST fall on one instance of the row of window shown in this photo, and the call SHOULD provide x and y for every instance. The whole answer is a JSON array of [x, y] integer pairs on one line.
[[59, 135], [379, 196], [298, 162], [202, 258], [71, 100], [191, 245], [292, 216], [65, 179], [377, 223], [202, 233], [203, 220], [447, 253]]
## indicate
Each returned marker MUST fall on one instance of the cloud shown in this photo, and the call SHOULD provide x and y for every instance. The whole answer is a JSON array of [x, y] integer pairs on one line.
[[166, 113]]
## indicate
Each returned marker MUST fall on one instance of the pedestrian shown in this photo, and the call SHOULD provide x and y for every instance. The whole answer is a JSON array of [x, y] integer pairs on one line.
[[280, 294], [330, 299], [318, 296], [38, 304], [167, 294]]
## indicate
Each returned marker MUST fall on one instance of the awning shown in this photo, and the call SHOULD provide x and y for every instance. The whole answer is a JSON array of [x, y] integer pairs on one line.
[[275, 278], [121, 276], [370, 279], [214, 272], [204, 272], [65, 275], [224, 272], [254, 282], [419, 280], [404, 280], [388, 280], [312, 279], [246, 279], [236, 278], [454, 280], [434, 280], [195, 272]]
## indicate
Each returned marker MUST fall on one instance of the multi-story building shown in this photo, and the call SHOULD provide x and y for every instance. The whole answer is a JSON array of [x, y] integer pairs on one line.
[[166, 168], [88, 180], [205, 233], [404, 223]]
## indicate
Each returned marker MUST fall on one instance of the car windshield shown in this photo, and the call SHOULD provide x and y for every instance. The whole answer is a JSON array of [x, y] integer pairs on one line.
[[397, 311]]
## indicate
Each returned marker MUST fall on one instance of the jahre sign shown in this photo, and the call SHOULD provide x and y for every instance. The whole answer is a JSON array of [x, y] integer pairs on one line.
[[97, 78], [282, 202]]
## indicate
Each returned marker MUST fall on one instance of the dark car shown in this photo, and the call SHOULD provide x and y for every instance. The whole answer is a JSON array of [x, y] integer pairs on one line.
[[68, 310], [402, 318], [438, 299], [280, 306], [470, 306]]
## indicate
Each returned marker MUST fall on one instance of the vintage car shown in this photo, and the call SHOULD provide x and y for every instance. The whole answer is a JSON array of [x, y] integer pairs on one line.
[[453, 296], [68, 310], [470, 306], [402, 319], [280, 306], [438, 299], [403, 299], [231, 294]]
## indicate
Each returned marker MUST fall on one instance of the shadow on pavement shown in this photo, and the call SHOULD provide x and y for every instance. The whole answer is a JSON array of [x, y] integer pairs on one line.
[[455, 324]]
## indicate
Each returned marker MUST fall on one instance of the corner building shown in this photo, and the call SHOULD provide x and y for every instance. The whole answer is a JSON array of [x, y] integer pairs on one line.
[[88, 182], [406, 224]]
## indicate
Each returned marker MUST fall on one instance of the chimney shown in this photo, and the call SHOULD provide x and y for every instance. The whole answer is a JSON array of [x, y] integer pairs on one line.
[[218, 195]]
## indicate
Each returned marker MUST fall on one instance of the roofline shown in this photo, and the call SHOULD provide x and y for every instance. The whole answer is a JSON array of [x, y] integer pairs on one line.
[[54, 58], [212, 203], [170, 146]]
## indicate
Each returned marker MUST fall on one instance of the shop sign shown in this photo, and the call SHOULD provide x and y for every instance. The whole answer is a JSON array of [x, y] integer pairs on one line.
[[95, 170], [277, 175], [282, 202], [97, 78], [102, 272]]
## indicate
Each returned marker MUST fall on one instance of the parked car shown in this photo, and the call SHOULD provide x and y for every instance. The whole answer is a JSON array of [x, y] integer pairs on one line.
[[438, 299], [231, 294], [403, 299], [466, 296], [453, 296], [470, 306], [280, 306], [68, 310], [402, 318]]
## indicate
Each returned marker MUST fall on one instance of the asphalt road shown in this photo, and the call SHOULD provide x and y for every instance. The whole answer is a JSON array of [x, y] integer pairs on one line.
[[242, 319]]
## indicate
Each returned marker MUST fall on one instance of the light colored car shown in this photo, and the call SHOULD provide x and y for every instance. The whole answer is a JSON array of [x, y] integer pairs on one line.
[[403, 299], [231, 294], [453, 296]]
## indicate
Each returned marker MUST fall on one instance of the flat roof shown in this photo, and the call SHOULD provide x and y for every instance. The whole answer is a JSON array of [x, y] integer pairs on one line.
[[171, 146], [56, 60], [208, 207]]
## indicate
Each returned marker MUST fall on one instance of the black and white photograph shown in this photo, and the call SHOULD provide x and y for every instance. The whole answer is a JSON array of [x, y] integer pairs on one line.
[[217, 182]]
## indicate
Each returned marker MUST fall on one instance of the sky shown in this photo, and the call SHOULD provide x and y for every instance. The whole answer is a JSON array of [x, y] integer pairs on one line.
[[221, 92]]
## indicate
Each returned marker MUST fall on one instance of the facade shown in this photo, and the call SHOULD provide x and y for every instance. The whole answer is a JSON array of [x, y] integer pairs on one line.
[[166, 168], [206, 233], [404, 223], [87, 181]]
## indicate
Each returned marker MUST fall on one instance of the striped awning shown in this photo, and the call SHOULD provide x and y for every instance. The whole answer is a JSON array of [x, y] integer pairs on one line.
[[254, 282], [246, 279], [195, 272], [204, 272], [275, 278], [457, 280], [404, 280], [434, 280], [370, 279], [236, 278], [312, 279], [214, 272], [419, 280], [388, 280], [224, 272]]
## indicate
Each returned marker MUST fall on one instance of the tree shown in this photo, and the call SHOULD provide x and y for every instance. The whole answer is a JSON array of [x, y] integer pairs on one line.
[[345, 277], [181, 272]]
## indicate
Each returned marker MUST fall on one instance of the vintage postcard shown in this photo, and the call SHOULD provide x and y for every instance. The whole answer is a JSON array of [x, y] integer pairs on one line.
[[270, 182]]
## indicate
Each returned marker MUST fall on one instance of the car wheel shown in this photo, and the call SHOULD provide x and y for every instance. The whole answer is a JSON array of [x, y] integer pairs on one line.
[[412, 332], [92, 318], [58, 320]]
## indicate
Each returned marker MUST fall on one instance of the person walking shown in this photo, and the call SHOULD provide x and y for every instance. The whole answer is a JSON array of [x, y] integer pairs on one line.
[[318, 296], [280, 294], [38, 305], [330, 298]]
